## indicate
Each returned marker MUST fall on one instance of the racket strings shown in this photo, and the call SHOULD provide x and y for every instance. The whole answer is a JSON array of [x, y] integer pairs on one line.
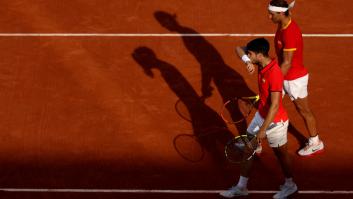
[[240, 149]]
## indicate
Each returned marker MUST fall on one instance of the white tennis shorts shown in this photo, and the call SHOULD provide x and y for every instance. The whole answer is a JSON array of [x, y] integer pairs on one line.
[[297, 88], [276, 133]]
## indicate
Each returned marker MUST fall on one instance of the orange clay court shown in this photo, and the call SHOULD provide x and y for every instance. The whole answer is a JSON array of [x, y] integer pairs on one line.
[[81, 118]]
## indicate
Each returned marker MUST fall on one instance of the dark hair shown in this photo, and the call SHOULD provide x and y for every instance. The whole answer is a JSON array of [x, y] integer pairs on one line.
[[259, 45], [280, 3]]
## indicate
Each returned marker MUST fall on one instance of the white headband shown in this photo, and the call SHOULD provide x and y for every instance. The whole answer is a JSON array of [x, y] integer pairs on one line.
[[280, 9]]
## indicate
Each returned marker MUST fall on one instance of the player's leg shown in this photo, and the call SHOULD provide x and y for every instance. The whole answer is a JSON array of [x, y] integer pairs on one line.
[[314, 145], [289, 187], [298, 92], [277, 138], [303, 108], [240, 189], [284, 159]]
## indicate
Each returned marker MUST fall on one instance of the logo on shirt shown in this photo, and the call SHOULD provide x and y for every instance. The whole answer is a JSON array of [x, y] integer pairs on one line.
[[263, 80]]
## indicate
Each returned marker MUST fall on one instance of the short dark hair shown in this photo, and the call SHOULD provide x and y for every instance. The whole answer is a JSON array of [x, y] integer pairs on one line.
[[259, 45], [280, 3]]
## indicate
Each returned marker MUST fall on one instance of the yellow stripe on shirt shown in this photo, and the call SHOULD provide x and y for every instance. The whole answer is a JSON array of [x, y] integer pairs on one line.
[[289, 49], [286, 26]]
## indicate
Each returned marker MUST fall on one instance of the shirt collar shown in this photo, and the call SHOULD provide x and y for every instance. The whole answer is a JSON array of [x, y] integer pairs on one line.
[[268, 67], [286, 26]]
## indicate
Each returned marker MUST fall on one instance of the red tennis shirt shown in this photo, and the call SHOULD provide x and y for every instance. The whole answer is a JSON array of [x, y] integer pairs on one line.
[[270, 79], [290, 38]]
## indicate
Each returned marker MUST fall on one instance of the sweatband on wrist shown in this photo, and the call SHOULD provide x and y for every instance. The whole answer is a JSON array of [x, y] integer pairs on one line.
[[245, 58]]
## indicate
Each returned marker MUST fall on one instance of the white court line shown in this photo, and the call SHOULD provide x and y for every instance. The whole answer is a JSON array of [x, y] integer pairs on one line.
[[158, 35], [161, 191]]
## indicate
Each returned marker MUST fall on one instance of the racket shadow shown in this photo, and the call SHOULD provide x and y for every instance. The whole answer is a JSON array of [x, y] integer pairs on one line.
[[209, 130], [193, 148], [182, 110], [209, 136], [188, 147]]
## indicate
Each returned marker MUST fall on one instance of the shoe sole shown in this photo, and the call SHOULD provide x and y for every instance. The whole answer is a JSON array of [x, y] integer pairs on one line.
[[290, 195], [312, 154], [238, 196]]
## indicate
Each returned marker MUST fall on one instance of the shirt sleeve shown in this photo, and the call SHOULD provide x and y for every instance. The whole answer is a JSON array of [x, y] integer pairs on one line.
[[290, 42], [276, 81]]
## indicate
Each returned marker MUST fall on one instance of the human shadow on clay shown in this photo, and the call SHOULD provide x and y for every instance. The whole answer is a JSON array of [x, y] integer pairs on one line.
[[228, 82], [207, 125], [301, 139]]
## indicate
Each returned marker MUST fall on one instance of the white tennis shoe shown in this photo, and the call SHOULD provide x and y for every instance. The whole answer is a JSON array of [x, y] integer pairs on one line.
[[311, 148], [285, 191], [234, 192]]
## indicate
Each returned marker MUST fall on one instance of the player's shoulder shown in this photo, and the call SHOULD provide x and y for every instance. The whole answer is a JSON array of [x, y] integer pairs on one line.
[[274, 64], [275, 69], [293, 27]]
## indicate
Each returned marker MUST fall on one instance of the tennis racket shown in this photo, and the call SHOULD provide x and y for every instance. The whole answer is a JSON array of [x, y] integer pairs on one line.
[[236, 110], [241, 148]]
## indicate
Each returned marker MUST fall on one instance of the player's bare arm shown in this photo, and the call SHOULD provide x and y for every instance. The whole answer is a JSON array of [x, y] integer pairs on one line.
[[240, 50], [275, 100], [241, 53], [287, 60]]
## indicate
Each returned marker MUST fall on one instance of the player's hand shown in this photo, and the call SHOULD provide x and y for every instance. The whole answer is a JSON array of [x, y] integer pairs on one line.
[[250, 67], [261, 135]]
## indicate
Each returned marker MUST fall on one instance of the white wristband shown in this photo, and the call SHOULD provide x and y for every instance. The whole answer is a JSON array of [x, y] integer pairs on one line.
[[245, 59]]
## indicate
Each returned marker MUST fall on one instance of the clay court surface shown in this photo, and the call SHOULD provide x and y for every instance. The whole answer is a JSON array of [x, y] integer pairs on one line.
[[80, 113]]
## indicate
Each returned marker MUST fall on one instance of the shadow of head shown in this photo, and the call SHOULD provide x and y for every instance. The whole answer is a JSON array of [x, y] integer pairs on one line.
[[167, 20], [146, 58]]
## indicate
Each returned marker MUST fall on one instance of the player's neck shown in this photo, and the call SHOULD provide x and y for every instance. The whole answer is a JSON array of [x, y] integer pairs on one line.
[[285, 22], [266, 61]]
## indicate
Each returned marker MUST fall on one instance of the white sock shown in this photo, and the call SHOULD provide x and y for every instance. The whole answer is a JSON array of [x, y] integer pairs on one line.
[[289, 181], [315, 139], [243, 182]]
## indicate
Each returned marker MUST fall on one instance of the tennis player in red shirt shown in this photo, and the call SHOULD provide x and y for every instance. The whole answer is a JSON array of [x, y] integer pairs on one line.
[[289, 50], [270, 121]]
